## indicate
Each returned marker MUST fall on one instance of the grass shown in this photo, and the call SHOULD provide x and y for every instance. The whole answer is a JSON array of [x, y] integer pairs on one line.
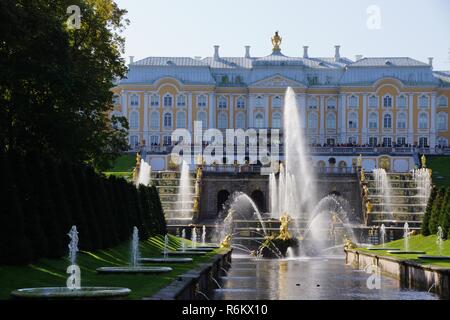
[[416, 243], [123, 166], [441, 170], [52, 272]]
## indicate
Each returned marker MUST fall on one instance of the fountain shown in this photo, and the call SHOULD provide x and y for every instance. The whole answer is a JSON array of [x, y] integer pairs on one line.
[[134, 261], [406, 249], [183, 243], [166, 258], [203, 235], [383, 191], [273, 191], [184, 198], [144, 176], [73, 289], [194, 238], [439, 245]]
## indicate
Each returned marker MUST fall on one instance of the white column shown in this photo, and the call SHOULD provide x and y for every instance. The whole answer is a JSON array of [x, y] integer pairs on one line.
[[433, 122], [231, 120], [411, 118], [342, 112], [364, 120], [145, 135], [322, 120], [125, 103], [212, 111], [189, 117]]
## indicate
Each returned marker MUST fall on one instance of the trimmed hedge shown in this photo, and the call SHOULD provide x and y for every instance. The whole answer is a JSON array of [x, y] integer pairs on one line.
[[42, 198], [437, 212]]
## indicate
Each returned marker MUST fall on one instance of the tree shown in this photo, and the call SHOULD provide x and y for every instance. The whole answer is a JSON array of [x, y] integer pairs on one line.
[[436, 210], [55, 81], [444, 217], [425, 230]]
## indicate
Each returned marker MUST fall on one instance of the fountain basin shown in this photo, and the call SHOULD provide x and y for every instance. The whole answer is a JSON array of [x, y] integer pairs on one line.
[[195, 249], [166, 260], [133, 269], [184, 253], [405, 252], [374, 249], [65, 293], [209, 247], [434, 257]]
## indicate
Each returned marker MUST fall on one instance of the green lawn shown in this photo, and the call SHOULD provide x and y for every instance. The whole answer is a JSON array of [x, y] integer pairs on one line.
[[123, 166], [52, 272], [441, 170], [416, 243]]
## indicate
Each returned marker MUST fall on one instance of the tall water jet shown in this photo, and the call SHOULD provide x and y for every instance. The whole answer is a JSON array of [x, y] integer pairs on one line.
[[422, 178], [73, 245], [183, 243], [439, 239], [383, 234], [135, 255], [204, 235], [194, 237], [406, 236], [383, 190], [273, 191], [145, 171], [281, 189], [166, 246], [184, 191], [298, 169]]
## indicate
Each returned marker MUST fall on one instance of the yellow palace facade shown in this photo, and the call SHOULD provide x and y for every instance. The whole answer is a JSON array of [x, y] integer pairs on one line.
[[381, 101]]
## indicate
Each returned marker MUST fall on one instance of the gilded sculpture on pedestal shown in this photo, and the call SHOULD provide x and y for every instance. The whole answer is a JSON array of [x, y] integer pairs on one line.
[[284, 227], [276, 41], [423, 161], [137, 167]]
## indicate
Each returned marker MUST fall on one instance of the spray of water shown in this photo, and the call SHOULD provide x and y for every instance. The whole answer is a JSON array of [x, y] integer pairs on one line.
[[144, 176], [135, 255], [73, 245]]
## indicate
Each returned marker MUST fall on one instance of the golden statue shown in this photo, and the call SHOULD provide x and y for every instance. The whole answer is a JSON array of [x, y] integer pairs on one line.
[[284, 227], [199, 173], [359, 161], [195, 207], [137, 167], [365, 190], [276, 41], [363, 175], [349, 244], [423, 161], [226, 243], [369, 207]]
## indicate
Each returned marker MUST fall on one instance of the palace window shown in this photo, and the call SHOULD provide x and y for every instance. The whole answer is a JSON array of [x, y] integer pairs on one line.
[[401, 120], [423, 101], [241, 103], [201, 101], [134, 100], [331, 141], [312, 103], [259, 121], [154, 120], [352, 140], [134, 120], [331, 104], [423, 142], [276, 120], [240, 121], [387, 121], [387, 142], [401, 141], [258, 102], [181, 100], [201, 116], [276, 102], [134, 141], [222, 103], [352, 120], [331, 120], [442, 142], [168, 100], [167, 140], [154, 140], [442, 120], [181, 120], [387, 101], [442, 101], [312, 120], [223, 120], [373, 141], [401, 102], [167, 120], [373, 120], [423, 120], [353, 102], [154, 100], [373, 102]]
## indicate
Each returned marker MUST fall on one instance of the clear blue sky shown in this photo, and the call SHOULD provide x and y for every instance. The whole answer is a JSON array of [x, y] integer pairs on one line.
[[418, 29]]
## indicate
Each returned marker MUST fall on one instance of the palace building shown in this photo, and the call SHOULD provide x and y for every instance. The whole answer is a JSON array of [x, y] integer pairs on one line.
[[367, 102]]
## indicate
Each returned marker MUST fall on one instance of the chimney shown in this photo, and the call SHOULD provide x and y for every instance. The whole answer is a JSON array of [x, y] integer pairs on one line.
[[358, 57], [247, 51], [216, 52], [131, 59], [305, 52], [337, 55], [430, 61]]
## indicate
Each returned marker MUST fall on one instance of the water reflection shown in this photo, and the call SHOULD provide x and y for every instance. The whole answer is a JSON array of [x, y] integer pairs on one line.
[[320, 278]]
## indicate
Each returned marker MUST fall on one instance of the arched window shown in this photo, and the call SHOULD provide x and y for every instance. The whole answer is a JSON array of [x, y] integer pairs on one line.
[[442, 101], [134, 141], [134, 120], [222, 103], [181, 120], [423, 120], [331, 103], [240, 121], [387, 121], [240, 103], [312, 120], [154, 120], [258, 102], [276, 102], [353, 120], [442, 142], [401, 120], [387, 101], [401, 102], [181, 100], [373, 101], [167, 120], [259, 120], [201, 101], [168, 101], [154, 100], [223, 120], [312, 103], [423, 101], [373, 120], [442, 121], [201, 116], [331, 120], [134, 100], [353, 102], [276, 120]]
